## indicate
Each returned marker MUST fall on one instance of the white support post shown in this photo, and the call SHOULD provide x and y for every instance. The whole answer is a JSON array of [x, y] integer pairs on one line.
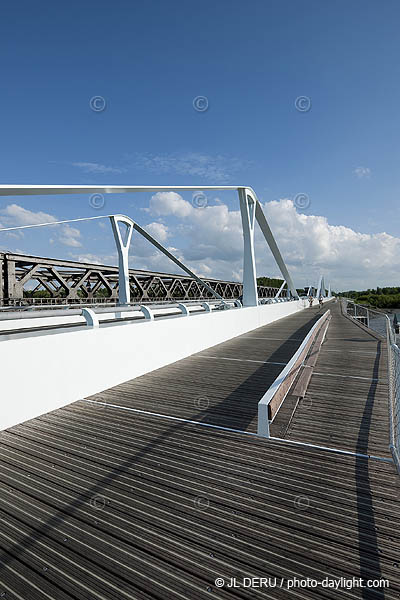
[[248, 212], [329, 291], [278, 293], [319, 288], [206, 306], [90, 317], [263, 420], [148, 313], [184, 309], [124, 292]]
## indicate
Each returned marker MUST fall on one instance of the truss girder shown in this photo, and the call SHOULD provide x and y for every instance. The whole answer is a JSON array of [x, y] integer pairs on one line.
[[69, 281]]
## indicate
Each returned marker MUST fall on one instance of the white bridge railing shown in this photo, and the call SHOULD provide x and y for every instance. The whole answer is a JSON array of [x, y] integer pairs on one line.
[[272, 400], [381, 324]]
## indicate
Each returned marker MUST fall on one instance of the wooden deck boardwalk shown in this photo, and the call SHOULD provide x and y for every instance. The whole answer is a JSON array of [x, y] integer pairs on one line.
[[103, 503], [222, 385], [346, 405]]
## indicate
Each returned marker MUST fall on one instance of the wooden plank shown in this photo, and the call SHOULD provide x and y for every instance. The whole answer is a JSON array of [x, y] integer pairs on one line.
[[153, 537], [346, 413], [99, 503]]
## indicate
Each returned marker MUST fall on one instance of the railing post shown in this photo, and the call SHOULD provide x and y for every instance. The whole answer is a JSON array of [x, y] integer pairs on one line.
[[263, 421], [248, 212], [184, 309], [90, 317], [280, 289], [124, 293], [148, 313]]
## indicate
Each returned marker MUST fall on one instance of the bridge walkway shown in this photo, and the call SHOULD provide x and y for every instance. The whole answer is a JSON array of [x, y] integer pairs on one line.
[[222, 385], [346, 404], [100, 503]]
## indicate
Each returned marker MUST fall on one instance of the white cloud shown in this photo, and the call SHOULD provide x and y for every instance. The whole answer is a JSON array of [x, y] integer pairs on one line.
[[218, 168], [159, 231], [14, 215], [213, 245], [95, 259], [209, 240], [69, 236], [362, 172], [169, 203], [92, 167]]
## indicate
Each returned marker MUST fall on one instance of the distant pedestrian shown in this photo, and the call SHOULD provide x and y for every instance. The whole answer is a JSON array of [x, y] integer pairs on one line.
[[320, 300], [310, 300]]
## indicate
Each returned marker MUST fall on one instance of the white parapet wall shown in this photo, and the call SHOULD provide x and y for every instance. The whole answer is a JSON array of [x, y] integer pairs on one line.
[[44, 370]]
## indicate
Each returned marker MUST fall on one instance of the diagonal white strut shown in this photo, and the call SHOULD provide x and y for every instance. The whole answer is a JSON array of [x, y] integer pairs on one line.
[[265, 228], [123, 248]]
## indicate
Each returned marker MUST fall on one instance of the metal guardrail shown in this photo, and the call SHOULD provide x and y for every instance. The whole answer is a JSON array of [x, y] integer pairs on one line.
[[381, 324], [279, 389], [373, 319], [31, 318], [394, 402], [120, 313]]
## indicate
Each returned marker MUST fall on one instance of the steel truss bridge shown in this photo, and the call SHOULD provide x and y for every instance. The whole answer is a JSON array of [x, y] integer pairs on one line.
[[72, 282]]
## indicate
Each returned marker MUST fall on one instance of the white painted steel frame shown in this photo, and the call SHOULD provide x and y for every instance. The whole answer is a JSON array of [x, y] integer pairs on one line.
[[250, 206], [123, 244]]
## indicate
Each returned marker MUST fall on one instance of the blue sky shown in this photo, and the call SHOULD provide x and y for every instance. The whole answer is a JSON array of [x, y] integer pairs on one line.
[[149, 60]]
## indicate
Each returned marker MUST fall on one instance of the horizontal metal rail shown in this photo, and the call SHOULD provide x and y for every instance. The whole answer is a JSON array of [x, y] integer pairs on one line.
[[53, 319], [278, 391]]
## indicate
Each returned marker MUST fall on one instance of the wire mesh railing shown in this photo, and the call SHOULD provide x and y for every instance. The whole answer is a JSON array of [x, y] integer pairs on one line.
[[394, 394], [381, 324]]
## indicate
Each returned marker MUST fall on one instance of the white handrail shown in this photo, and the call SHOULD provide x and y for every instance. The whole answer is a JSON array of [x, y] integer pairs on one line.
[[290, 369]]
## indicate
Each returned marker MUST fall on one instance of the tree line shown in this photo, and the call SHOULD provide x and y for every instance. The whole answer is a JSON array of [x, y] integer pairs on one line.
[[380, 297]]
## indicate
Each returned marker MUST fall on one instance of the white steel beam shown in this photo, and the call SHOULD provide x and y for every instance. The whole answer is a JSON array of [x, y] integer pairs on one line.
[[247, 210], [123, 243], [265, 228], [278, 293]]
